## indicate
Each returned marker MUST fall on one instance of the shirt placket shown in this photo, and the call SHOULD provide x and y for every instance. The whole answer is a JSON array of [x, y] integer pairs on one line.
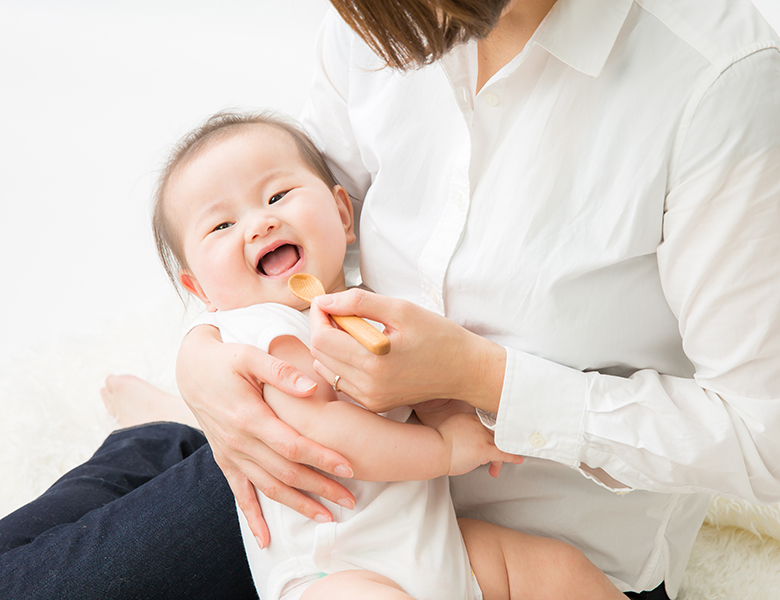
[[438, 252], [481, 117], [447, 232]]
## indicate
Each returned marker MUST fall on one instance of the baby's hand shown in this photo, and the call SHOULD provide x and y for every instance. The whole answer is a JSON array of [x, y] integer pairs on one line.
[[471, 445]]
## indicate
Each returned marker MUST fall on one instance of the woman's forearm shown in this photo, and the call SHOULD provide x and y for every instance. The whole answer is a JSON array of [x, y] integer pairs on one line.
[[481, 374]]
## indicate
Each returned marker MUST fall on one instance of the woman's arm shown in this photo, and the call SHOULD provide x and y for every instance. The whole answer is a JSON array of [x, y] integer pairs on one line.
[[714, 432], [223, 385], [718, 430]]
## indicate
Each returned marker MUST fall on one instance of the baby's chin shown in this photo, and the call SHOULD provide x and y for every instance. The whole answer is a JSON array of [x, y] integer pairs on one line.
[[337, 286]]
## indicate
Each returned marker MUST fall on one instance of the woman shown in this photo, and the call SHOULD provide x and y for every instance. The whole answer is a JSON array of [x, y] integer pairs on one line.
[[588, 191]]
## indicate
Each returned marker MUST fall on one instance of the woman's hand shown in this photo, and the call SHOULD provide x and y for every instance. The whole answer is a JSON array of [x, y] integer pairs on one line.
[[430, 357], [222, 384]]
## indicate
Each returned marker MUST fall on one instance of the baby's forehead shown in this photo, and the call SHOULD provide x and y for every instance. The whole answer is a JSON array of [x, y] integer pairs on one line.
[[267, 135], [270, 139], [265, 131]]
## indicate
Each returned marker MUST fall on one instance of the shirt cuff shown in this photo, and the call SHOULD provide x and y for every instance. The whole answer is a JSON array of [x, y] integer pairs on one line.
[[541, 409], [487, 418]]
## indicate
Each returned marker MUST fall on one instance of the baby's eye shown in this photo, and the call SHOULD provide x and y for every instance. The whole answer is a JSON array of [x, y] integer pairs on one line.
[[276, 197], [222, 226]]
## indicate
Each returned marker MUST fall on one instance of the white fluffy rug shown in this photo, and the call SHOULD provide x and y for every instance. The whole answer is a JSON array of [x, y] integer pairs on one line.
[[52, 418]]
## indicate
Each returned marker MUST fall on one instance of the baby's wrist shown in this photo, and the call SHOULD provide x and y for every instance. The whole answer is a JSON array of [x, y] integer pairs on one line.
[[447, 454]]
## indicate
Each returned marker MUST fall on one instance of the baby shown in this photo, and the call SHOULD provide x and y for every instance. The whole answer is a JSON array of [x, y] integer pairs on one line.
[[246, 202]]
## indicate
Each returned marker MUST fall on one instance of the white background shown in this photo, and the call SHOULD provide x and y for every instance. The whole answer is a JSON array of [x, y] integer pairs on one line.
[[92, 96]]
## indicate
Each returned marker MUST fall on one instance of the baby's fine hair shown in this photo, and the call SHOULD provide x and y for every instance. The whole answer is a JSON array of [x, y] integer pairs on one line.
[[218, 127]]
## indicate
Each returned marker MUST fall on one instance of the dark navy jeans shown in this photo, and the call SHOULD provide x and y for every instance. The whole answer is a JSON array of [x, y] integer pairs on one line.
[[150, 515]]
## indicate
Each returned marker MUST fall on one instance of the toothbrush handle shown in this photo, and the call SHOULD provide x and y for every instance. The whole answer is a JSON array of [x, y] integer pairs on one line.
[[365, 333]]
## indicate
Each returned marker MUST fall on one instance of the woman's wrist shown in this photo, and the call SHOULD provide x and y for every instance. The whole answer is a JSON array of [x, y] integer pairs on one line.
[[482, 374]]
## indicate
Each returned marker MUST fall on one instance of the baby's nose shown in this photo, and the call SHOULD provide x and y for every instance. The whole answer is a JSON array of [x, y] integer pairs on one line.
[[260, 225]]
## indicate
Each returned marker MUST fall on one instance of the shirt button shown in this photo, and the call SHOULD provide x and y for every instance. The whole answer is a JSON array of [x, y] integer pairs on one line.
[[458, 199], [490, 99], [537, 440]]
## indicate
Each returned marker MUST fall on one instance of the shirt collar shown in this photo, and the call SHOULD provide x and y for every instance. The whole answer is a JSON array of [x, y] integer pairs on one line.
[[582, 33]]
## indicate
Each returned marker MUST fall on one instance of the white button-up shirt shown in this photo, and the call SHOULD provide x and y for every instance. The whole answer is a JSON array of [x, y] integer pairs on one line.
[[607, 207]]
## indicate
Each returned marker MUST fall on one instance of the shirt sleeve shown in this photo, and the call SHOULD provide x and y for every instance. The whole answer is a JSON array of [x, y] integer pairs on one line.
[[326, 119], [719, 263], [326, 114]]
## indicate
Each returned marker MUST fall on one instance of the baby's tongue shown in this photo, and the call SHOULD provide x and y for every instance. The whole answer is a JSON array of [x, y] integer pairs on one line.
[[280, 260]]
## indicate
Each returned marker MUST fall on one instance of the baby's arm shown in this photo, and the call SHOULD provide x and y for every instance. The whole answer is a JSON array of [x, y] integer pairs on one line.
[[445, 414], [379, 449]]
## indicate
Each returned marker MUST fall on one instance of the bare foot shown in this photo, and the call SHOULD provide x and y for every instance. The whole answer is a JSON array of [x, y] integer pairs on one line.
[[133, 401]]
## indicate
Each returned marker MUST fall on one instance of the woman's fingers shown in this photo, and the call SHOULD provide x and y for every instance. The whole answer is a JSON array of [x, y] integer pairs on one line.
[[204, 361], [419, 366], [260, 367], [236, 415], [247, 501], [332, 342], [280, 478], [338, 354], [246, 475], [282, 481], [431, 356], [261, 423], [357, 302]]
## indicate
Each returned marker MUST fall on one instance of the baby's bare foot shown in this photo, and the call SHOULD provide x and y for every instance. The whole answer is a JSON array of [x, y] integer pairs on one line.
[[134, 401]]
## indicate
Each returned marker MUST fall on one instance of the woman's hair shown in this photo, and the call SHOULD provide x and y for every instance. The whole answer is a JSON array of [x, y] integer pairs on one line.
[[412, 33], [218, 127]]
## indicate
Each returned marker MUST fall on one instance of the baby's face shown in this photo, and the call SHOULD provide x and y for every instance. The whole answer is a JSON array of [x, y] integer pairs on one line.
[[251, 213]]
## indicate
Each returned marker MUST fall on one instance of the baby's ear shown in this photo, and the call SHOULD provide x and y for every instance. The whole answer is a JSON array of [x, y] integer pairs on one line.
[[344, 204], [191, 284]]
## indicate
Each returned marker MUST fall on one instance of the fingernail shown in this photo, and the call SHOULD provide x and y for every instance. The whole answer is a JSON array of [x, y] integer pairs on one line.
[[324, 301], [320, 518], [346, 503], [304, 384], [260, 543], [344, 471]]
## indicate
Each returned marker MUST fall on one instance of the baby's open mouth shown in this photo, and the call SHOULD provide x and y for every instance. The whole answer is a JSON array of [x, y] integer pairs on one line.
[[279, 260]]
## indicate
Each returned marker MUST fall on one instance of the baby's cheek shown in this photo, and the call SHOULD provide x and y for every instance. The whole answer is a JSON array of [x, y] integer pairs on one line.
[[223, 283]]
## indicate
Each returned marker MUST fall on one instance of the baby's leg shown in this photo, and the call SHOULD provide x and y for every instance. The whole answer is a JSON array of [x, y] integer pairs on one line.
[[133, 402], [355, 585], [514, 565]]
